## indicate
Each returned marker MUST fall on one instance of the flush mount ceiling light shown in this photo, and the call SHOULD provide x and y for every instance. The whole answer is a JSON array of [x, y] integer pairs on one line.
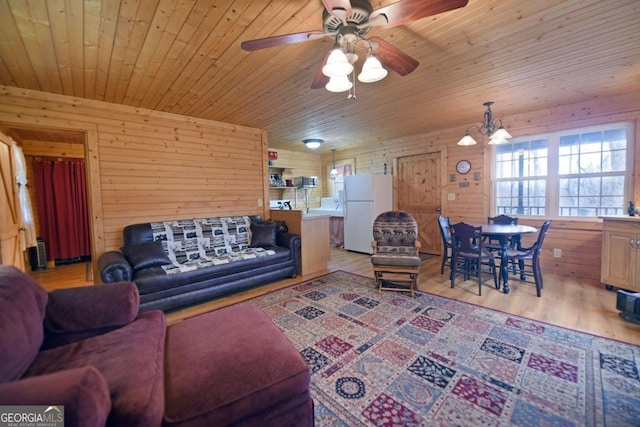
[[497, 133], [312, 143], [347, 22], [334, 172]]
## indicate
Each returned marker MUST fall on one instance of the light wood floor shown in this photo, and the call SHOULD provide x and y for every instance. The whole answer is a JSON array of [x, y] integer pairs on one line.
[[565, 301]]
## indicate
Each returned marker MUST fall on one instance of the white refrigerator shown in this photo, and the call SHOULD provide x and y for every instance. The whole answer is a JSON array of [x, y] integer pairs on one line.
[[365, 197]]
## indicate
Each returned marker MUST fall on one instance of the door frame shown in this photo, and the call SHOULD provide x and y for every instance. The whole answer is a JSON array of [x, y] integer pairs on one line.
[[92, 164]]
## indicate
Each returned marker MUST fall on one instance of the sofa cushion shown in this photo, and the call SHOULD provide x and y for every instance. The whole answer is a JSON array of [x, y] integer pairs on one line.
[[91, 308], [22, 308], [195, 275], [83, 392], [263, 234], [130, 358], [145, 255], [253, 365]]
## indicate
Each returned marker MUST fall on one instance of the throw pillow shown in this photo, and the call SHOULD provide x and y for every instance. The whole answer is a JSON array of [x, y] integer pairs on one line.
[[281, 226], [145, 255], [263, 234]]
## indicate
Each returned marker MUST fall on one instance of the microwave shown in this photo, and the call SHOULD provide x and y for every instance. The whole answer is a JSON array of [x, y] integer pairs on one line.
[[305, 181]]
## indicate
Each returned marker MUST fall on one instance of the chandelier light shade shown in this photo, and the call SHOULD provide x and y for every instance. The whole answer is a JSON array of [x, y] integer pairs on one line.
[[312, 143], [339, 84], [340, 65], [467, 140], [372, 70], [337, 64], [495, 131], [334, 172]]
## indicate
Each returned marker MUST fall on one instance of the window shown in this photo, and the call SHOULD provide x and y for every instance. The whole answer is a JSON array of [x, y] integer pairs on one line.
[[577, 173]]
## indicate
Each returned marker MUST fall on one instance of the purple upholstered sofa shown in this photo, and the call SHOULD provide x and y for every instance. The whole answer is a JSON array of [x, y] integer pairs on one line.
[[89, 350]]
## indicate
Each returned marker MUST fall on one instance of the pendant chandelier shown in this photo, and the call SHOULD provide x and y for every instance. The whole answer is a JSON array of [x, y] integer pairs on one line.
[[497, 133]]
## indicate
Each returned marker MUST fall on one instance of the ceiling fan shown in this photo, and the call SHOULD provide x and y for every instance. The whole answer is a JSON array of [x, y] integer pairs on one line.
[[349, 21]]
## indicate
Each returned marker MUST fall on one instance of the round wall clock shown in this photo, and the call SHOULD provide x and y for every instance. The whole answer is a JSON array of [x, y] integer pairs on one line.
[[463, 166]]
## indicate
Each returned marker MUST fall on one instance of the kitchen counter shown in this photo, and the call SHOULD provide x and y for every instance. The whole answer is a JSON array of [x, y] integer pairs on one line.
[[314, 236], [336, 224]]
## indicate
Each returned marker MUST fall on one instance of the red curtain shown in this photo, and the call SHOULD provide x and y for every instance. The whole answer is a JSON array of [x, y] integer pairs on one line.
[[62, 207]]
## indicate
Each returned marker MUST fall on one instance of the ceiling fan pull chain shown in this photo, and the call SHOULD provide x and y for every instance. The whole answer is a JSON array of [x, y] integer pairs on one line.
[[352, 90]]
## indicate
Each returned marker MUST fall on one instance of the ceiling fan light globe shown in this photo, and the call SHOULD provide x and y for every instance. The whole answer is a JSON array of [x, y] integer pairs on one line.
[[467, 140], [339, 84], [372, 71], [337, 64]]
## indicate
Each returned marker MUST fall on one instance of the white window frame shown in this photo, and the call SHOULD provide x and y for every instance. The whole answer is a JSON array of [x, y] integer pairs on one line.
[[552, 178]]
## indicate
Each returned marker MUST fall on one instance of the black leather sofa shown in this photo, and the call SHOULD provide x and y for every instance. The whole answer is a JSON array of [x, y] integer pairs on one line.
[[179, 263]]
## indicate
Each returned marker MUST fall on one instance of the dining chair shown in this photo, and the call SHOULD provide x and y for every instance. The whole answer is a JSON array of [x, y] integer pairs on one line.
[[396, 261], [467, 245], [492, 244], [445, 224], [528, 259]]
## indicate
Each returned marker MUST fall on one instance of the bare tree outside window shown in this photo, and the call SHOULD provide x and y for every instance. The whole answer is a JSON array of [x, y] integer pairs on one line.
[[581, 173]]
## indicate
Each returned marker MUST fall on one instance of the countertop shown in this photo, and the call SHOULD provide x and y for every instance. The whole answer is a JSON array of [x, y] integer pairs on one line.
[[298, 214], [330, 212]]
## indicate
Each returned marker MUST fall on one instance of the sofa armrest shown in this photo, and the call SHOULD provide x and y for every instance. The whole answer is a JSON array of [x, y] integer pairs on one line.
[[77, 313], [114, 267], [294, 243], [84, 392]]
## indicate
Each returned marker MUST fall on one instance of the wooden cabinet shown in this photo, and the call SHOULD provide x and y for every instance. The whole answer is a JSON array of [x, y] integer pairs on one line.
[[621, 252], [314, 234]]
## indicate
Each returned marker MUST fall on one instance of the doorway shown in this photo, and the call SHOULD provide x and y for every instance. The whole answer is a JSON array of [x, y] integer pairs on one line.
[[58, 145], [419, 193]]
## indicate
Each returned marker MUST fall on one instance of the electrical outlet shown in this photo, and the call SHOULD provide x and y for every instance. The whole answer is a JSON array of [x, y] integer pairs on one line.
[[557, 253], [451, 196]]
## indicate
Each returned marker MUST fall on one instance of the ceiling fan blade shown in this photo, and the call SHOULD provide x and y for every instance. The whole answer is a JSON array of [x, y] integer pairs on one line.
[[406, 11], [257, 44], [334, 6], [393, 58], [320, 80]]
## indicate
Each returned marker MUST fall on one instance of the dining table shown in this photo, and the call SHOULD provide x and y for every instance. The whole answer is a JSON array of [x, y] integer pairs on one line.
[[502, 233]]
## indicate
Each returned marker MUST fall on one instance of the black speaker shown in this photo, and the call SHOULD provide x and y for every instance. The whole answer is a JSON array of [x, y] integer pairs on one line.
[[38, 256], [628, 303]]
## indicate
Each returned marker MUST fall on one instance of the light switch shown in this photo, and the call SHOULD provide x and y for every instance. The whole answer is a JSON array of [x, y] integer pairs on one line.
[[451, 196]]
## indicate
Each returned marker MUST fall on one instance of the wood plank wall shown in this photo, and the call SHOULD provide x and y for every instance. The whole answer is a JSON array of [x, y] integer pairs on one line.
[[146, 165], [580, 241]]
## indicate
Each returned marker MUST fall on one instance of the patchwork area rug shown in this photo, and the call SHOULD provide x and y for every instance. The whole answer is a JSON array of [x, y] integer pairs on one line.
[[393, 360]]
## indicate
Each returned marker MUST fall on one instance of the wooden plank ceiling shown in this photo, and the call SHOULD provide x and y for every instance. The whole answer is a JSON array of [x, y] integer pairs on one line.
[[184, 57]]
